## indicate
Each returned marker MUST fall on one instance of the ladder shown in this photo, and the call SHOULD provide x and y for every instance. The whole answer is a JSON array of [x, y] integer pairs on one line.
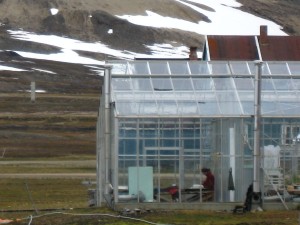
[[275, 180]]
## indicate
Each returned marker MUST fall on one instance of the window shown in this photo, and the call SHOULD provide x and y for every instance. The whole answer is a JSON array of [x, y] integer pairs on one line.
[[290, 134]]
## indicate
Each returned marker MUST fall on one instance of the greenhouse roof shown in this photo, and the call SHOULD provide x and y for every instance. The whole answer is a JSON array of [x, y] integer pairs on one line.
[[203, 89]]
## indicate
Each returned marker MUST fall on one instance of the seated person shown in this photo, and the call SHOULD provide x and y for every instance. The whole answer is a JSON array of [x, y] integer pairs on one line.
[[208, 184]]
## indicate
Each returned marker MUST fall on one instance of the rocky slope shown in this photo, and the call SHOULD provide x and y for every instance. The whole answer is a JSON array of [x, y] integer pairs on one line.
[[89, 20]]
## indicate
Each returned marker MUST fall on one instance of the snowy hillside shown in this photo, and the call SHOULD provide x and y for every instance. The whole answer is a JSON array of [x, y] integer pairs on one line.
[[221, 17]]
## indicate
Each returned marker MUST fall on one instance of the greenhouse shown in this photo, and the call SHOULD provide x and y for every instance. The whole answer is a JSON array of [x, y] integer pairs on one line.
[[161, 122]]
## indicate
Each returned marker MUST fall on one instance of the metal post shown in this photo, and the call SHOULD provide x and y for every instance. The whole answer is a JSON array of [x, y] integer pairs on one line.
[[32, 93], [257, 125], [103, 140], [107, 128]]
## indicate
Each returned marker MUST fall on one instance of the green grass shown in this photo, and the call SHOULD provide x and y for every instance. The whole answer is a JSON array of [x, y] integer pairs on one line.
[[21, 194]]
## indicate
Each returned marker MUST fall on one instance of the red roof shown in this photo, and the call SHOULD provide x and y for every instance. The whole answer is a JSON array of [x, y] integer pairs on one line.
[[269, 48], [280, 48], [232, 47]]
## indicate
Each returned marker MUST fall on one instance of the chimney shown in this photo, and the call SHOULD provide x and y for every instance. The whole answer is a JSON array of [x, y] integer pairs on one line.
[[263, 35], [193, 53]]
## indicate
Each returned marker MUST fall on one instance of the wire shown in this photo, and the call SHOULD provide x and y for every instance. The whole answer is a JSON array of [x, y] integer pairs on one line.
[[30, 220], [90, 214]]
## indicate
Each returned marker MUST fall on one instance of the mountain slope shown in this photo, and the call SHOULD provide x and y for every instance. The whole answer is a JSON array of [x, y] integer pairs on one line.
[[284, 13]]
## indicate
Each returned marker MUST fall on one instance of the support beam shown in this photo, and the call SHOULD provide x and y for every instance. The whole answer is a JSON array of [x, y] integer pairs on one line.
[[257, 125]]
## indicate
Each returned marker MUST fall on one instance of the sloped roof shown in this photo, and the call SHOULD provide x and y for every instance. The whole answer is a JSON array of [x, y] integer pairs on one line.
[[280, 48], [232, 47], [203, 89], [262, 47]]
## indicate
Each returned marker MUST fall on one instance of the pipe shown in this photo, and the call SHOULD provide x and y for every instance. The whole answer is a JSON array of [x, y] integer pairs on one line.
[[107, 128], [257, 125]]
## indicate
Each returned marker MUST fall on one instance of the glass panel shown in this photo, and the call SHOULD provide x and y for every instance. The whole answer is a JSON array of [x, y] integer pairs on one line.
[[247, 101], [203, 83], [252, 67], [240, 68], [294, 68], [159, 67], [223, 84], [142, 84], [127, 130], [283, 84], [244, 83], [290, 109], [184, 96], [246, 96], [205, 97], [119, 68], [219, 68], [162, 84], [147, 108], [126, 108], [185, 108], [269, 96], [139, 68], [179, 68], [199, 68], [266, 84], [288, 98], [120, 95], [270, 108], [182, 84], [167, 108], [278, 68], [228, 103], [160, 96], [121, 84], [142, 96], [248, 107], [265, 70], [296, 84], [209, 108], [149, 130], [207, 103]]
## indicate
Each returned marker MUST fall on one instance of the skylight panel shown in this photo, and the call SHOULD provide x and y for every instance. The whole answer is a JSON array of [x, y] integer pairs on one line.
[[201, 84], [162, 84], [244, 83], [159, 68], [240, 68], [183, 84], [278, 68], [121, 84], [139, 68], [294, 68], [199, 68], [179, 68], [219, 68], [141, 84], [223, 83]]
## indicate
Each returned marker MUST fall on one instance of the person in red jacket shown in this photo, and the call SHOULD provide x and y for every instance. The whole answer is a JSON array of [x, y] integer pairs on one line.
[[209, 182], [208, 185]]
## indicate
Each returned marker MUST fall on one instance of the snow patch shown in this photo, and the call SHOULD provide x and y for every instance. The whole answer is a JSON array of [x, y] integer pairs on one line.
[[8, 68], [54, 11]]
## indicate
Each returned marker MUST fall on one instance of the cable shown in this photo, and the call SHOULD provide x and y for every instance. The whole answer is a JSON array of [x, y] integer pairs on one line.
[[90, 214], [30, 220]]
